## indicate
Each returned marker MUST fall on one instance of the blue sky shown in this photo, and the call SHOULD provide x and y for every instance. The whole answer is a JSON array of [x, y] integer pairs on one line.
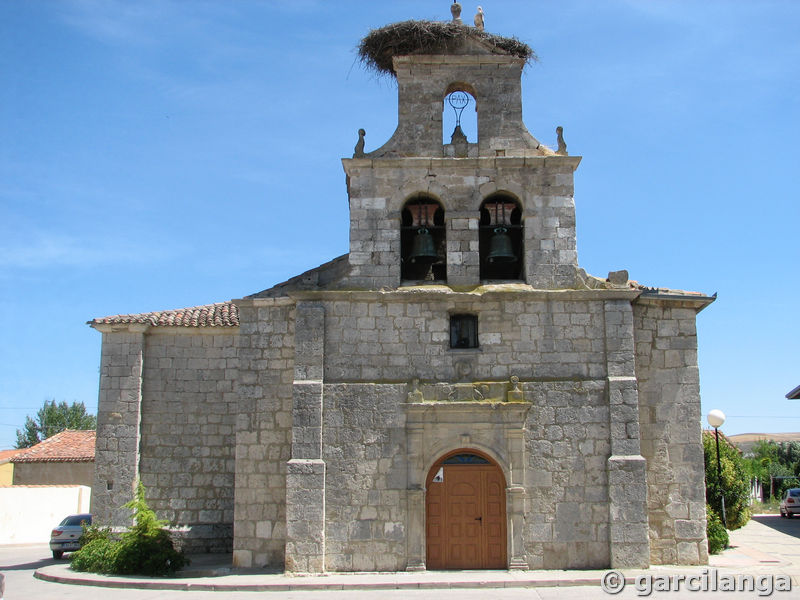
[[157, 155]]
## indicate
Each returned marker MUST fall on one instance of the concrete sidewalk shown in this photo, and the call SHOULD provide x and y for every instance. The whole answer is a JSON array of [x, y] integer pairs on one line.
[[767, 545]]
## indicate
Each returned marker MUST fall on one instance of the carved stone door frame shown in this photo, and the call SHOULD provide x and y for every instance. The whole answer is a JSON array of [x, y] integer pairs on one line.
[[435, 429]]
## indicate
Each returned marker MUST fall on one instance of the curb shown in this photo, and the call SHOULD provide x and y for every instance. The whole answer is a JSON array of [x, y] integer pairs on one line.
[[300, 585]]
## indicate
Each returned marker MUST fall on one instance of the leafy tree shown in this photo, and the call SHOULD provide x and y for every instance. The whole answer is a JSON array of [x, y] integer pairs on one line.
[[734, 484], [789, 455], [769, 459], [54, 418]]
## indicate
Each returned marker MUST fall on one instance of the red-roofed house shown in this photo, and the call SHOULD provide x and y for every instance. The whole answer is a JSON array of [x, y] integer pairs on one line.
[[66, 458], [6, 466]]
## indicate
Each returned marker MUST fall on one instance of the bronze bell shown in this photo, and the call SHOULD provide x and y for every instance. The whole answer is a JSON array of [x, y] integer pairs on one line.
[[423, 250], [500, 250]]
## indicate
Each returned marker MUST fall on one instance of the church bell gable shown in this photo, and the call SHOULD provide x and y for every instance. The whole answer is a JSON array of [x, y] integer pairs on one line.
[[476, 72]]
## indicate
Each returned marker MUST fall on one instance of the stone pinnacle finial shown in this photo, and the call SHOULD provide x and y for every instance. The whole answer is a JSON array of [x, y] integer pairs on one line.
[[515, 394], [415, 395], [562, 145], [455, 10], [359, 149]]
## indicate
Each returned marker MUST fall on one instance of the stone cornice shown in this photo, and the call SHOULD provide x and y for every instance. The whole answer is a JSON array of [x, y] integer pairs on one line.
[[679, 299], [121, 327], [257, 302], [466, 412], [484, 292], [486, 162]]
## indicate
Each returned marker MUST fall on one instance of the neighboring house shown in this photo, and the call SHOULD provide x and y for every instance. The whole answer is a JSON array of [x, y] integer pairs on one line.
[[794, 394], [455, 392], [66, 458], [6, 466]]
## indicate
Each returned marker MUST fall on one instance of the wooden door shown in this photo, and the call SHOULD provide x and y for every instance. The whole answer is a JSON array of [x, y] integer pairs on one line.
[[466, 515]]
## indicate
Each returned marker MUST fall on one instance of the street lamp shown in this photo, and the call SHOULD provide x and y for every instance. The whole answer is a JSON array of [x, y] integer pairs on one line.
[[716, 418]]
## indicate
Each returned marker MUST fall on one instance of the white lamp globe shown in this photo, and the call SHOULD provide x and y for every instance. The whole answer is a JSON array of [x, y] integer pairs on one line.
[[716, 418]]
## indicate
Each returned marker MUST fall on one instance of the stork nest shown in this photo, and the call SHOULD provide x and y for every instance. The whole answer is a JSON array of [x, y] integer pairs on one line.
[[378, 48]]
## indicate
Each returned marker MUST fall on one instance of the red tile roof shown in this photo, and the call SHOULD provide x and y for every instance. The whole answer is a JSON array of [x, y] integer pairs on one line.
[[71, 445], [222, 314], [7, 455]]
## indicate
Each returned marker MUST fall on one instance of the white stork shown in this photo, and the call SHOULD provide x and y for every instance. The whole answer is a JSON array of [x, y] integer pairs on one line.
[[479, 19]]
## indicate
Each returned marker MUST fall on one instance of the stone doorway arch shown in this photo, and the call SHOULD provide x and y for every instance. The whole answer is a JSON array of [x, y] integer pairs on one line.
[[465, 512]]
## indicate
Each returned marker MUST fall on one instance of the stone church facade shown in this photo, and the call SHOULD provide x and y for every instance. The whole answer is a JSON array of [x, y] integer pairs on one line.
[[455, 392]]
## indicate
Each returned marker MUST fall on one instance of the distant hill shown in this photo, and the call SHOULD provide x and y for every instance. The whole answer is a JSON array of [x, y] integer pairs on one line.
[[746, 441]]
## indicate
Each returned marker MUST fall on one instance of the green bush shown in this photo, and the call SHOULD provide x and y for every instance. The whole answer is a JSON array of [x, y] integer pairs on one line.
[[146, 549], [734, 484], [93, 532], [148, 555], [715, 531], [98, 556]]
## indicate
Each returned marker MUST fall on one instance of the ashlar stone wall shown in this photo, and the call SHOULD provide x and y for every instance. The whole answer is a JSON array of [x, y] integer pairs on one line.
[[118, 419], [567, 447], [364, 449], [669, 415], [335, 436], [398, 336], [188, 432], [263, 430], [166, 416], [563, 448], [379, 188], [494, 81]]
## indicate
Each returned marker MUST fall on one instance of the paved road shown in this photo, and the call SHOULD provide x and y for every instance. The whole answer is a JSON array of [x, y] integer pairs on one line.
[[778, 537], [788, 526]]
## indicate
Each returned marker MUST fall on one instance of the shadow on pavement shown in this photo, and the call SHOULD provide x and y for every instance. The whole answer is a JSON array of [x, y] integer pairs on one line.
[[44, 562], [787, 526]]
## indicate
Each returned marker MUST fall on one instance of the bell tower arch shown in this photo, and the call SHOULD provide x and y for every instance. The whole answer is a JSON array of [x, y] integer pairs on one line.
[[459, 68]]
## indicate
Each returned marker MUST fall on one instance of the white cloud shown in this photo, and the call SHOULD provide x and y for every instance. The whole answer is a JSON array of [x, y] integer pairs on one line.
[[114, 22], [46, 250]]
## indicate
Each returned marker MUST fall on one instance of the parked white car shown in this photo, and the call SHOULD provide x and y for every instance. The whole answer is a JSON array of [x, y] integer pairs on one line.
[[64, 538], [790, 503]]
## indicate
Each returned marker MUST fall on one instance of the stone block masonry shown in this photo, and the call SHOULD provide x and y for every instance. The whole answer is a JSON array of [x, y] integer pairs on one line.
[[543, 184], [348, 483], [188, 424], [669, 416], [305, 480], [383, 337], [118, 422], [366, 483], [263, 431], [166, 416]]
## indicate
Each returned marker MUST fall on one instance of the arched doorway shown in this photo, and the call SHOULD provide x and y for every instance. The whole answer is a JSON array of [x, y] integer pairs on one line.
[[465, 513]]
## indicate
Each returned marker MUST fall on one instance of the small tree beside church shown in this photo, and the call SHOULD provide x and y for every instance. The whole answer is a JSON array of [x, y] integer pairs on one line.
[[145, 549], [54, 418]]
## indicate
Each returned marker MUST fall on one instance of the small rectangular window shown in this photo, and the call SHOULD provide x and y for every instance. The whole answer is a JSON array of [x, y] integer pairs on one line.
[[463, 331]]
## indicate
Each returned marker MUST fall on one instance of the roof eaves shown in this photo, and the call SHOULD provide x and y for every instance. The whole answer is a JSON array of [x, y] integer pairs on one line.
[[697, 299], [220, 314]]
